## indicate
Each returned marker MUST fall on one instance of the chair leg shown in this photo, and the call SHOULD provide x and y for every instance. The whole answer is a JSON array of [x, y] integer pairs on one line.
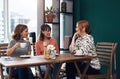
[[114, 76]]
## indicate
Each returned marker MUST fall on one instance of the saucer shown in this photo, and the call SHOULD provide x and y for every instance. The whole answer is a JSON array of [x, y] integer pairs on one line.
[[78, 55], [25, 56]]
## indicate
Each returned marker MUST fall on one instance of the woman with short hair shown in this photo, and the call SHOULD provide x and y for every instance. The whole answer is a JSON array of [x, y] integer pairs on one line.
[[82, 44]]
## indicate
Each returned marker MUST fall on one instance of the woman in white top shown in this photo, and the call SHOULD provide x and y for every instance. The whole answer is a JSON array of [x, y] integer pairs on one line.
[[82, 44]]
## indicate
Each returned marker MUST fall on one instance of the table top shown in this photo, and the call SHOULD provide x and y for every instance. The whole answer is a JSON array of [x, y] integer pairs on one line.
[[18, 61], [39, 60]]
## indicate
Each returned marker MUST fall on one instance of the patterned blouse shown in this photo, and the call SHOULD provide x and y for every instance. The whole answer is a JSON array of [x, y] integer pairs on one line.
[[85, 46]]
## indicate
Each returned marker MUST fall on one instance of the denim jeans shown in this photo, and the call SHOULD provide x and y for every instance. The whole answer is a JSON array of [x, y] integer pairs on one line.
[[22, 73]]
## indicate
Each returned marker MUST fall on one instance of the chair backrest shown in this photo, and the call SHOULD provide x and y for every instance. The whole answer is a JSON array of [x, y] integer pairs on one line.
[[3, 49], [33, 35], [106, 52], [33, 45]]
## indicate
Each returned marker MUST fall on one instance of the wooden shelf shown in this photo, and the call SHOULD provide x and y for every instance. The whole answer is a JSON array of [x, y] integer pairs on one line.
[[67, 12], [52, 22]]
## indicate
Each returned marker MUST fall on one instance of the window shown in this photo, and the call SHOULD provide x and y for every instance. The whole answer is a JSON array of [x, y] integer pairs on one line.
[[18, 11], [1, 21]]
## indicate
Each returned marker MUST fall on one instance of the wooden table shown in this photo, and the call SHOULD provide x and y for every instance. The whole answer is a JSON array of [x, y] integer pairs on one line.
[[39, 60], [12, 62]]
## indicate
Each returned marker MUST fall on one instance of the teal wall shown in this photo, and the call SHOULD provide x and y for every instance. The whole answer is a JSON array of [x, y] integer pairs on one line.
[[104, 18]]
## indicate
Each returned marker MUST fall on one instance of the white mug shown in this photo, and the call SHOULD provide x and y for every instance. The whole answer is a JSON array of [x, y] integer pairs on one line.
[[22, 45]]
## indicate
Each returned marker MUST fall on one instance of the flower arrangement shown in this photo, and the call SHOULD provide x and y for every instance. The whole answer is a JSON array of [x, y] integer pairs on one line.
[[51, 48], [52, 51]]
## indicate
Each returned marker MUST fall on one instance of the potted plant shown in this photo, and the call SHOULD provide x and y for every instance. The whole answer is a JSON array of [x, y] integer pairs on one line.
[[50, 14]]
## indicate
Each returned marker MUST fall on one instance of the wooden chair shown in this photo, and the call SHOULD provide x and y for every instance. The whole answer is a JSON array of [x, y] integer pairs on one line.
[[106, 52], [33, 47], [3, 49]]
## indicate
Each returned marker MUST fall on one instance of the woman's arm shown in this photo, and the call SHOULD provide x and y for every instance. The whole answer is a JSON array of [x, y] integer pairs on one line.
[[38, 48], [72, 45], [10, 50]]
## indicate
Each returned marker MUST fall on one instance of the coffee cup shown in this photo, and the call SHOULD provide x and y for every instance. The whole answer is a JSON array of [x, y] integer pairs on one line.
[[22, 45]]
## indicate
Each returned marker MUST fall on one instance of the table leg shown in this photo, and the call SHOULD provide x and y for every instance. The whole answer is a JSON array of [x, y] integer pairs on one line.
[[58, 72], [1, 72], [40, 73], [10, 73], [86, 68], [47, 72], [77, 68]]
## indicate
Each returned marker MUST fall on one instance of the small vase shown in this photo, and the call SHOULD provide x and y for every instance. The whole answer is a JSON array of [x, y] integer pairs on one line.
[[63, 6], [49, 17], [46, 53], [52, 54]]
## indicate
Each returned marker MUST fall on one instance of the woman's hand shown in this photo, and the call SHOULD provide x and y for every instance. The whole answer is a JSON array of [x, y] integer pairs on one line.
[[75, 35], [10, 50], [71, 47], [17, 45]]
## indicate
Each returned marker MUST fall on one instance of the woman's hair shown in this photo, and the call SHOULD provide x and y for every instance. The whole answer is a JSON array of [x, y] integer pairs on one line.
[[18, 30], [44, 27], [84, 24]]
